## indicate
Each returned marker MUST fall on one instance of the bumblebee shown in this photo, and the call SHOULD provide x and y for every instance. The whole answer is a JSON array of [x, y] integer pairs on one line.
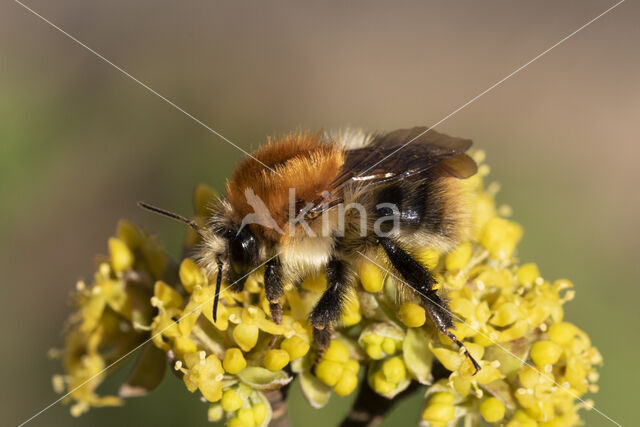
[[307, 203]]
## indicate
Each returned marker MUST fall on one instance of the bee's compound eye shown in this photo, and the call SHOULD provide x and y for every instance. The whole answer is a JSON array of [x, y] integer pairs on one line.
[[243, 251]]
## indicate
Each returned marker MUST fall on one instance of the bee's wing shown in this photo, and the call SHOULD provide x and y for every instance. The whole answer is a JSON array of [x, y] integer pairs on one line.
[[388, 158]]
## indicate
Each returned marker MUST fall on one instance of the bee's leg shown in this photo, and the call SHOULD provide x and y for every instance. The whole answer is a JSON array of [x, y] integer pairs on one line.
[[321, 340], [329, 308], [273, 288], [422, 283]]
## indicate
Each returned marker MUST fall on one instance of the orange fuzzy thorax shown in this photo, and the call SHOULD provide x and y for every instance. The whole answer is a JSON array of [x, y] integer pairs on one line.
[[303, 161]]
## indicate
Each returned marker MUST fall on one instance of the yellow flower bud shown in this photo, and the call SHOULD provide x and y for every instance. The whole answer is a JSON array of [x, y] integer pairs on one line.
[[459, 257], [389, 345], [295, 346], [380, 383], [394, 370], [442, 397], [246, 336], [373, 339], [346, 384], [352, 366], [371, 277], [428, 258], [231, 401], [545, 353], [374, 351], [412, 315], [234, 361], [246, 416], [329, 372], [337, 352], [121, 256], [438, 413], [259, 412], [527, 273], [190, 275], [492, 410], [275, 359]]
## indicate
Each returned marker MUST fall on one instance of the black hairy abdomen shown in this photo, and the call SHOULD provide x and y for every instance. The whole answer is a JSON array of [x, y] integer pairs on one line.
[[419, 205]]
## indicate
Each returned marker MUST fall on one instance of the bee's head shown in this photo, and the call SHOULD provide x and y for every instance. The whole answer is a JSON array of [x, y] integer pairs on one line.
[[236, 253], [228, 249]]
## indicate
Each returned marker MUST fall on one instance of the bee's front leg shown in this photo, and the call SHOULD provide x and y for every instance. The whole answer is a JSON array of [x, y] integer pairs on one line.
[[273, 288], [329, 308], [422, 283]]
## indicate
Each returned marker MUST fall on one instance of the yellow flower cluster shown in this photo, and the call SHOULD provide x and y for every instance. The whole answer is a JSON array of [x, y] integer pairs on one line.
[[388, 376], [110, 313], [241, 406], [535, 365], [337, 370]]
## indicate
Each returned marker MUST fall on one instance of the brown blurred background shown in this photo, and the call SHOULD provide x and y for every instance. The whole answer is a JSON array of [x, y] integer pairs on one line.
[[80, 143]]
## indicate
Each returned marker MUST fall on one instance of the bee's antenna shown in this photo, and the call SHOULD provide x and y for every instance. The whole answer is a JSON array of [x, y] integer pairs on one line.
[[217, 294], [191, 223]]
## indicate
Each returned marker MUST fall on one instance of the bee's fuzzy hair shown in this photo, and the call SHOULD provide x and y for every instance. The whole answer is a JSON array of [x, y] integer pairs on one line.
[[447, 210], [302, 161], [309, 162], [214, 246], [349, 138]]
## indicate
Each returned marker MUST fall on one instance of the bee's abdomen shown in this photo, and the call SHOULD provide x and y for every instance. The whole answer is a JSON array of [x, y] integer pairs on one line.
[[418, 205]]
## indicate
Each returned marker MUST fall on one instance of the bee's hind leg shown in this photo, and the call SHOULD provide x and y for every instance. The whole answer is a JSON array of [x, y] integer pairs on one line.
[[329, 308], [321, 339], [422, 283]]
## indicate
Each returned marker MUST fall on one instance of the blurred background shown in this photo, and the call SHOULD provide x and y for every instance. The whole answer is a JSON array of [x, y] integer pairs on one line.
[[80, 143]]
